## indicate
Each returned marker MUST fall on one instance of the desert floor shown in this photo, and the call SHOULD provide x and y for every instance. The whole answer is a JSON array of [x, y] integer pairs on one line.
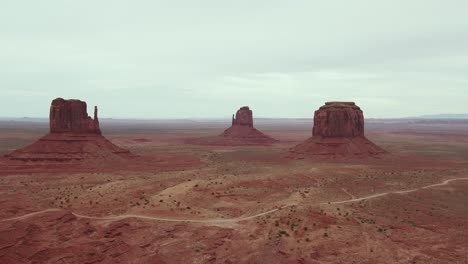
[[242, 204]]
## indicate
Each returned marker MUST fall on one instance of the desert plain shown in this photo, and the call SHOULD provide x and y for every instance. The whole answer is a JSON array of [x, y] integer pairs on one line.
[[178, 202]]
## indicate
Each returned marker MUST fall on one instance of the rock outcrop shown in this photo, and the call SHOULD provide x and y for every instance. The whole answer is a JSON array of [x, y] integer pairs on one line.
[[338, 132], [244, 117], [71, 116], [241, 133], [338, 119], [74, 136]]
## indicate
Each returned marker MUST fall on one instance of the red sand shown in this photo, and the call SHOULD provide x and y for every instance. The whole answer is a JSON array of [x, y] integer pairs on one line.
[[241, 205]]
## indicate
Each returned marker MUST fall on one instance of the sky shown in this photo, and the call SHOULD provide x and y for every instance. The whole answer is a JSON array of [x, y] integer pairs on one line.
[[207, 58]]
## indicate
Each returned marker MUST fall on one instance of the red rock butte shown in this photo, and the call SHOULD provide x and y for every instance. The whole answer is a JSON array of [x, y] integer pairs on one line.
[[242, 132], [338, 132], [74, 136], [243, 117], [71, 116]]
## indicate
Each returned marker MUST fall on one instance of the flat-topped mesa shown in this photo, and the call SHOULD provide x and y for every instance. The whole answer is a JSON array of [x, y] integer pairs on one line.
[[71, 116], [338, 133], [338, 119], [244, 117]]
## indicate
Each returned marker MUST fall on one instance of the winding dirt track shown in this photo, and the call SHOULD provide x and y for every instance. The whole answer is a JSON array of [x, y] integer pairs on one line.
[[395, 192], [232, 220]]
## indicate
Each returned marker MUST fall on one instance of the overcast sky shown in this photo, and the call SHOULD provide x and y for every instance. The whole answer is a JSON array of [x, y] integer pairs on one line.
[[200, 58]]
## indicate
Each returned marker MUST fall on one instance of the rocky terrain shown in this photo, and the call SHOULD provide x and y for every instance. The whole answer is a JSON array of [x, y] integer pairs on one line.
[[240, 204]]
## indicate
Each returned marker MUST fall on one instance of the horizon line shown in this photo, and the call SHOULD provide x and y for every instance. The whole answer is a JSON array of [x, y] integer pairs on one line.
[[430, 116]]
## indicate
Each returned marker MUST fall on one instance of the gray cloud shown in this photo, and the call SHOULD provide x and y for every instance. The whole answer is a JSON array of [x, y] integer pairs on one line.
[[206, 58]]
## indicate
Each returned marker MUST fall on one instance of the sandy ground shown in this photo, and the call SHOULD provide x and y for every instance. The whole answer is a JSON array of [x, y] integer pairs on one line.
[[244, 204]]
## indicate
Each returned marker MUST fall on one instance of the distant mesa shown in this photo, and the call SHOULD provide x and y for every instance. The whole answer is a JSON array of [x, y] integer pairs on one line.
[[74, 136], [241, 133], [338, 132]]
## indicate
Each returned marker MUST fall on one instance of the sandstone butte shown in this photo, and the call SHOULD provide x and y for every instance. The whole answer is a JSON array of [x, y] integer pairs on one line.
[[243, 117], [71, 116], [338, 131], [74, 136], [241, 133]]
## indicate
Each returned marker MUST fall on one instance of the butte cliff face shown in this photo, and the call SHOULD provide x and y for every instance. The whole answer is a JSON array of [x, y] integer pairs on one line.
[[338, 132], [71, 116], [338, 119], [241, 133], [243, 117], [74, 136]]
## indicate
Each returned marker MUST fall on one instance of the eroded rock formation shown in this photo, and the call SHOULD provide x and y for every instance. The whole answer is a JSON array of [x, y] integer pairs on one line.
[[338, 119], [244, 117], [242, 132], [71, 116], [338, 132], [74, 136]]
